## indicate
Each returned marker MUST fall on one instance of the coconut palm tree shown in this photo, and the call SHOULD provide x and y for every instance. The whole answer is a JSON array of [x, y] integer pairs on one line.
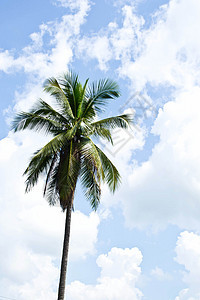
[[71, 154]]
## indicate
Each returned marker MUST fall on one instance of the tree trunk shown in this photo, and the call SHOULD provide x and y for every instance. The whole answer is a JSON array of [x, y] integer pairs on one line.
[[63, 271]]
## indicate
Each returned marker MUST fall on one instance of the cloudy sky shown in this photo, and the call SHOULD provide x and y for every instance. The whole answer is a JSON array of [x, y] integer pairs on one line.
[[144, 241]]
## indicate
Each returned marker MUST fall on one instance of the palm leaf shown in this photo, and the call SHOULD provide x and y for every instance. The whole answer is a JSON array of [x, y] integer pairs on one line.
[[90, 182], [112, 176], [98, 94], [111, 173], [37, 165], [52, 192], [89, 152], [82, 98], [121, 121], [42, 108], [72, 89], [50, 172], [42, 159], [27, 120], [105, 168], [52, 87], [98, 131]]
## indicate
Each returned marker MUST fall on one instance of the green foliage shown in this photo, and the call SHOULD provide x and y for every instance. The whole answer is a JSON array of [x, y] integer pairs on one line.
[[71, 154]]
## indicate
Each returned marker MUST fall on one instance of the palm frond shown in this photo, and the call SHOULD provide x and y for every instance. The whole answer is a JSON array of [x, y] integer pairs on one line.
[[112, 176], [98, 131], [90, 182], [82, 99], [42, 159], [42, 108], [72, 89], [89, 151], [52, 192], [37, 165], [63, 178], [98, 94], [121, 121], [50, 172], [104, 167], [27, 120], [52, 87], [88, 114]]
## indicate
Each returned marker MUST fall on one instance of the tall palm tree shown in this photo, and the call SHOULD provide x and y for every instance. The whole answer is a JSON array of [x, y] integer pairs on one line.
[[71, 154]]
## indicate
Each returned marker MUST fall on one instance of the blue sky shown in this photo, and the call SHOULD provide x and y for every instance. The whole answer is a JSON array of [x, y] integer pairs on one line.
[[144, 241]]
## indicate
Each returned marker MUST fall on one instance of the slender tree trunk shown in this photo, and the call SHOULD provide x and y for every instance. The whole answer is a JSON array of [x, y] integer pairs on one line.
[[63, 271]]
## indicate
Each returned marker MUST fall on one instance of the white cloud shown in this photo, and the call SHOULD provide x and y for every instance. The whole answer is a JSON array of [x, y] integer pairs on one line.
[[115, 42], [124, 143], [34, 59], [120, 272], [167, 53], [188, 254], [169, 50], [78, 4], [6, 60], [124, 40], [126, 2], [96, 47], [159, 274], [83, 229], [165, 188], [40, 282]]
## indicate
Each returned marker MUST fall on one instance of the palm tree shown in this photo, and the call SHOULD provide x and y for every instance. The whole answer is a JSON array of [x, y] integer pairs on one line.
[[71, 154]]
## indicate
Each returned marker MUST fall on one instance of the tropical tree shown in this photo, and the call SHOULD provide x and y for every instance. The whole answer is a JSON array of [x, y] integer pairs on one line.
[[71, 154]]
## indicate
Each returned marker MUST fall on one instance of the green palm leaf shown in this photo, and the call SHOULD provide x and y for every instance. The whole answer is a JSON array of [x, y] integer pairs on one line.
[[98, 94], [90, 182], [52, 87], [98, 131], [82, 99], [42, 159], [72, 89], [112, 176], [121, 121], [37, 165], [27, 120], [42, 108]]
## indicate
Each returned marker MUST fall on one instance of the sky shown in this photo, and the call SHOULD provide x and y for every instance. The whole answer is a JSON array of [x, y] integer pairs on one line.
[[143, 243]]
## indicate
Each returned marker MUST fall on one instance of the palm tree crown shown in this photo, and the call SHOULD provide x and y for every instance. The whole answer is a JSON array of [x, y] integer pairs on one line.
[[71, 153]]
